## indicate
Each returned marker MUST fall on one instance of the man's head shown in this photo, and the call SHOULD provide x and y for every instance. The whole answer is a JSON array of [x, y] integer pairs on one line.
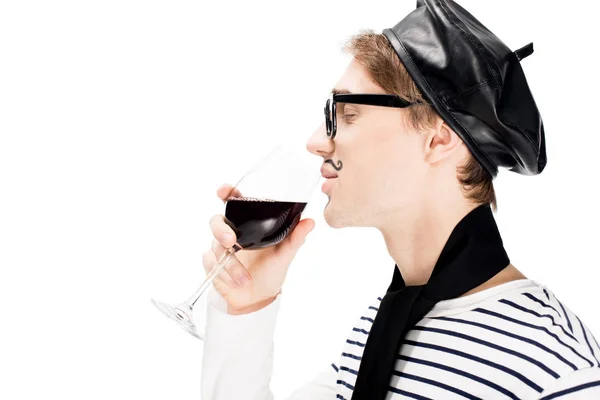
[[394, 160]]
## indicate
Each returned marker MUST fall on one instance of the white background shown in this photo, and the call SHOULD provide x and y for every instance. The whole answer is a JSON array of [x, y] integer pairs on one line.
[[119, 120]]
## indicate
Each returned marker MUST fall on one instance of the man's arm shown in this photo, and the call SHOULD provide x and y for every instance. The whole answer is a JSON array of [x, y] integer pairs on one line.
[[238, 356]]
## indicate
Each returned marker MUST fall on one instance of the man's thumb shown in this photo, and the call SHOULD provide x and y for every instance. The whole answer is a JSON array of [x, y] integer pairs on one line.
[[300, 232]]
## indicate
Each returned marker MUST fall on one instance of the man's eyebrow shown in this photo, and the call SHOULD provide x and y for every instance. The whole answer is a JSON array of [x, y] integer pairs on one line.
[[340, 91]]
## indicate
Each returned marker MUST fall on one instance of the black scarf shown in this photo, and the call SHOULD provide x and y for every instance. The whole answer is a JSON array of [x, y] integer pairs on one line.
[[473, 254]]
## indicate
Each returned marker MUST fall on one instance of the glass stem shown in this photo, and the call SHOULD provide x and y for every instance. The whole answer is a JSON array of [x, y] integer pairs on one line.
[[212, 274]]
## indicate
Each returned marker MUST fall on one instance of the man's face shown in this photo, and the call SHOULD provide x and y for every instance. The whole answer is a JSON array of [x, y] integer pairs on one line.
[[382, 159]]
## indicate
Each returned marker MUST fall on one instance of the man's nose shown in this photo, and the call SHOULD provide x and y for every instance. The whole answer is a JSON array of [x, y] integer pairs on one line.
[[319, 143]]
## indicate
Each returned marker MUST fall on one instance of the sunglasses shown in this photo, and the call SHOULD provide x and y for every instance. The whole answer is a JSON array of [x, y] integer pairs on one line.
[[383, 100]]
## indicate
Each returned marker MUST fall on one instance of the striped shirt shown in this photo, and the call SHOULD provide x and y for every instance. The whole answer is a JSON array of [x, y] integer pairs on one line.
[[512, 341]]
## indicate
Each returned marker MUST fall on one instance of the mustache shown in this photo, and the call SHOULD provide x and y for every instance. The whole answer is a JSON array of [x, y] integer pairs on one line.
[[336, 167]]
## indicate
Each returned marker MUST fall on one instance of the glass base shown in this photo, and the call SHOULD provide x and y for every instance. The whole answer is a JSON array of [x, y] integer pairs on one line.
[[182, 314]]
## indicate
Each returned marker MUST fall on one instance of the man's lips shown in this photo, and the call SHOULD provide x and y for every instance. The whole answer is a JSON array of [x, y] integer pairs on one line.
[[327, 185], [325, 173]]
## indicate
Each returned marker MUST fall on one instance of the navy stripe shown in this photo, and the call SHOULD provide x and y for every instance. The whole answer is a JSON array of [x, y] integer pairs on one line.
[[339, 396], [566, 315], [367, 319], [373, 308], [586, 339], [461, 373], [542, 328], [492, 364], [527, 310], [532, 297], [512, 335], [360, 330], [594, 339], [354, 372], [546, 293], [335, 367], [349, 386], [379, 298], [355, 343], [571, 390], [489, 344], [438, 384], [409, 394], [351, 356]]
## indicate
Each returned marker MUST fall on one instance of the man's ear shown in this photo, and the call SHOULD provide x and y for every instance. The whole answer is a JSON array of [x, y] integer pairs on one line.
[[442, 142]]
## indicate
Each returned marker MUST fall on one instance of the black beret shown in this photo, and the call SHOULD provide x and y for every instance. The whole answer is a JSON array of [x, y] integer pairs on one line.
[[475, 82]]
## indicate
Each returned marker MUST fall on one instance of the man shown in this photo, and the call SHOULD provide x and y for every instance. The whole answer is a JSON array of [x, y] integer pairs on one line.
[[415, 132]]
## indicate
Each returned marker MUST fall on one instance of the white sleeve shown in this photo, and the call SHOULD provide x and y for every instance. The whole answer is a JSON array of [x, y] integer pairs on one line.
[[322, 387], [583, 384], [237, 361]]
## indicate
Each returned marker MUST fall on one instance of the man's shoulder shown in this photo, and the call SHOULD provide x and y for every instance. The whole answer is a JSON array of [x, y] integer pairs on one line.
[[528, 325], [537, 312]]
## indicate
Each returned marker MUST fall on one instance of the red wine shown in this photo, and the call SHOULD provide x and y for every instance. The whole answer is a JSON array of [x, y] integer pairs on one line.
[[259, 223]]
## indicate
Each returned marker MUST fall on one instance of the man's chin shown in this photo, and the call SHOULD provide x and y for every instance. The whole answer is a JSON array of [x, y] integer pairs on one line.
[[332, 218]]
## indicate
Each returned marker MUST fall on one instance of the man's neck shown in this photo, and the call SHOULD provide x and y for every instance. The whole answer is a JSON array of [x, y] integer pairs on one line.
[[415, 244], [415, 241]]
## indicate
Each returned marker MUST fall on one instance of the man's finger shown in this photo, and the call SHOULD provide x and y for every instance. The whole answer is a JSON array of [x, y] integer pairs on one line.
[[222, 231], [226, 191]]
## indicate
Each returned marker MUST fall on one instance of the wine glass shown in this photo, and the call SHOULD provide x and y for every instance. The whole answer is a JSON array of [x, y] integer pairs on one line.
[[263, 208]]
